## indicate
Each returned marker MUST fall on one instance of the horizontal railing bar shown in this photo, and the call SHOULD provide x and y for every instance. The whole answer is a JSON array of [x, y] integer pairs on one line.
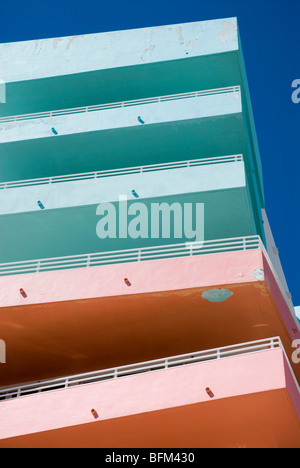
[[142, 254], [159, 362], [134, 102], [227, 241], [115, 260], [121, 171], [133, 369], [169, 358], [230, 347], [136, 368]]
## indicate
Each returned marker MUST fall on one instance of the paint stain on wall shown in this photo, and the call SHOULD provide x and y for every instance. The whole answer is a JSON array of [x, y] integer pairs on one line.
[[226, 28], [258, 274], [71, 40], [180, 37], [229, 26], [217, 295], [8, 127], [223, 36], [190, 45], [56, 41]]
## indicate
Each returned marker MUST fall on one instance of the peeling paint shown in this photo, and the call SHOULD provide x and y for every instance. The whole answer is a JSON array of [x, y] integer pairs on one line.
[[179, 32], [170, 42], [71, 41], [38, 46], [148, 49], [226, 28], [217, 295], [223, 36], [56, 40], [258, 274], [190, 45], [229, 26]]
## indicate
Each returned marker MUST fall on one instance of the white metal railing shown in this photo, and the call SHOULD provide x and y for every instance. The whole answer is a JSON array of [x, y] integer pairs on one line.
[[142, 367], [135, 102], [122, 171], [131, 255]]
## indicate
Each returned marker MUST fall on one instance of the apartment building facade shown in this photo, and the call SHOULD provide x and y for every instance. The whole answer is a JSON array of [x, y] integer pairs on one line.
[[121, 330]]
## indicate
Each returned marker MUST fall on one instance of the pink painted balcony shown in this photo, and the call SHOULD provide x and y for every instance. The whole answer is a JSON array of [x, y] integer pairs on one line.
[[100, 315], [244, 395]]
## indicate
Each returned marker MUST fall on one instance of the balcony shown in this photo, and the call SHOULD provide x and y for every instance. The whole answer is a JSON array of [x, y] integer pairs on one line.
[[160, 61], [150, 181], [132, 406], [151, 131], [119, 65], [69, 206], [117, 306]]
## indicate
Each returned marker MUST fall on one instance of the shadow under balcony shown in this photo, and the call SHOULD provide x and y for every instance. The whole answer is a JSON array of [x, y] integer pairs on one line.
[[73, 315]]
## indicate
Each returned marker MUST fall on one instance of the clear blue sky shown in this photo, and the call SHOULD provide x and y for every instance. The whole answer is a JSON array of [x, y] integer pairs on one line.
[[270, 32]]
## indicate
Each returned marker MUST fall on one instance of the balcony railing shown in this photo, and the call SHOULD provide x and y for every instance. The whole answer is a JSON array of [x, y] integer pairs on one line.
[[139, 368], [114, 105], [131, 255], [122, 171]]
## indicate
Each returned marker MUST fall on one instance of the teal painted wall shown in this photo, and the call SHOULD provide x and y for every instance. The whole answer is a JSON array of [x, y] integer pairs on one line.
[[71, 231], [90, 70]]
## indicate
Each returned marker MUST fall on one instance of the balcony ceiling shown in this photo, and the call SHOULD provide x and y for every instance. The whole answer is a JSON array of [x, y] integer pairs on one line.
[[110, 331]]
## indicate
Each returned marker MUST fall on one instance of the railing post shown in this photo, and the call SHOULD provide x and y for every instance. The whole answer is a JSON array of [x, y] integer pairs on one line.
[[38, 266], [88, 262]]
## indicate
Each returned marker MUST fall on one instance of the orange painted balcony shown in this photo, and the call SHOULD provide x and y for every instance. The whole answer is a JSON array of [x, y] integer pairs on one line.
[[80, 318], [238, 396]]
